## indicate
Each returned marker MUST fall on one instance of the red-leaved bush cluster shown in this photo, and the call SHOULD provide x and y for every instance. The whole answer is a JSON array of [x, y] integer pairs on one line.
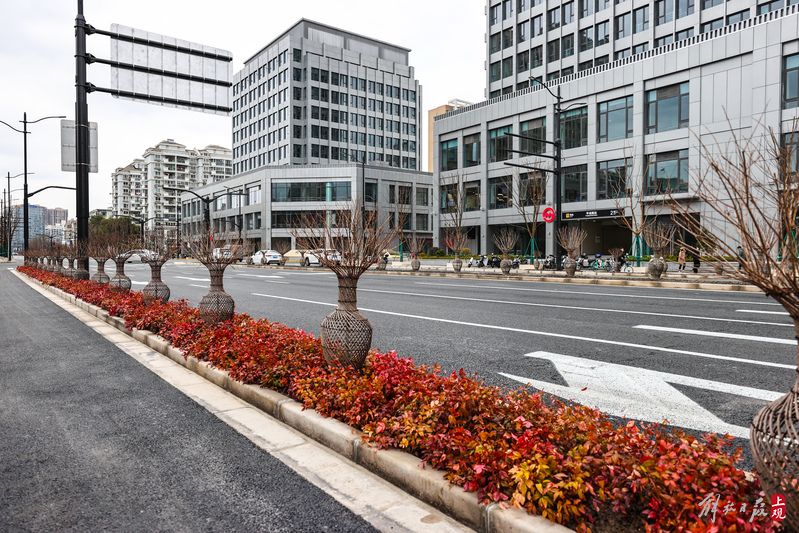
[[568, 463]]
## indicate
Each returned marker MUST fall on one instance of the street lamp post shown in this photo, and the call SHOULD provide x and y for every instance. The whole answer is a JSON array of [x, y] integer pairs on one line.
[[24, 131], [8, 220]]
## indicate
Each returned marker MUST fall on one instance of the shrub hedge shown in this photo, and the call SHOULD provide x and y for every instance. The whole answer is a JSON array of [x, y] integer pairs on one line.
[[568, 463]]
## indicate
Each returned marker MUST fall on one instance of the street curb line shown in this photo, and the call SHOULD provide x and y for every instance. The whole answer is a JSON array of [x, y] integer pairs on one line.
[[397, 467]]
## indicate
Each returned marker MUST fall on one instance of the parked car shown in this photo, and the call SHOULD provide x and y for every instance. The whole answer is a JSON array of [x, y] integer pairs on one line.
[[266, 257], [312, 257], [225, 253]]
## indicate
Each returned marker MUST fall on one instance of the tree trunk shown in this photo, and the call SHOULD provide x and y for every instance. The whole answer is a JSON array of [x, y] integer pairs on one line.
[[346, 333]]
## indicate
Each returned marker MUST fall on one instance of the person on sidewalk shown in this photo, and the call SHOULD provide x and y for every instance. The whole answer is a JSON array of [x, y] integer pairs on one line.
[[681, 260], [695, 253], [741, 258]]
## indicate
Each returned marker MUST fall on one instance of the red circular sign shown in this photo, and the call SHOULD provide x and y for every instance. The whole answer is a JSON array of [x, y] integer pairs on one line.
[[548, 214]]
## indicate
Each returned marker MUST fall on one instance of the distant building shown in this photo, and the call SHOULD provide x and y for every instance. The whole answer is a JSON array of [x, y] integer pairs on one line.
[[35, 224], [140, 189], [56, 215], [320, 95], [105, 213], [431, 115]]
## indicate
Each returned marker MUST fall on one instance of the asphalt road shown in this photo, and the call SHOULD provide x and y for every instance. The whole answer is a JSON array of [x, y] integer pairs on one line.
[[94, 441], [704, 360]]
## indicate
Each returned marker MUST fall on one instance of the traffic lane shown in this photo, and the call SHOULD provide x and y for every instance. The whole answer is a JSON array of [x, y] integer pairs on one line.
[[92, 439]]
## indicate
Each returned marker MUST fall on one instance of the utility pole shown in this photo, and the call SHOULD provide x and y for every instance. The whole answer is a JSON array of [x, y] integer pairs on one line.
[[81, 135]]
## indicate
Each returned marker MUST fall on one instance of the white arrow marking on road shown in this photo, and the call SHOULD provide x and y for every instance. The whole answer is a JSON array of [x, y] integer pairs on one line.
[[719, 334], [639, 394]]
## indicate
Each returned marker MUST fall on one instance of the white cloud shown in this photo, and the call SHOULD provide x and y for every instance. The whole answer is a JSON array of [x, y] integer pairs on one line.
[[37, 50]]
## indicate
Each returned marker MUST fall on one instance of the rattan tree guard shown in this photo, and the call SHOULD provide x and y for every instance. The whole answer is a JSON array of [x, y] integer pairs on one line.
[[160, 250], [216, 252], [359, 236], [415, 245], [571, 238], [752, 196], [70, 252], [505, 239]]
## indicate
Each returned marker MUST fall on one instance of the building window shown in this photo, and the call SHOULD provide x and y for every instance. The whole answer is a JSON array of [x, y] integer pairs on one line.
[[449, 155], [567, 15], [536, 132], [611, 179], [685, 34], [664, 11], [667, 108], [585, 38], [641, 19], [496, 73], [738, 17], [685, 8], [710, 26], [494, 14], [602, 33], [537, 56], [522, 5], [667, 173], [507, 38], [663, 41], [585, 65], [768, 7], [499, 144], [523, 31], [791, 82], [422, 222], [586, 7], [639, 48], [706, 4], [507, 9], [495, 43], [507, 67], [471, 150], [471, 196], [623, 25], [567, 45], [553, 75], [499, 193], [422, 197], [334, 191], [621, 54], [553, 19], [538, 25], [523, 61], [574, 127], [553, 51], [574, 186], [532, 186]]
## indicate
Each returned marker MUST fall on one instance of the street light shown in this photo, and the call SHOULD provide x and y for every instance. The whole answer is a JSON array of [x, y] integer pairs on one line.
[[10, 235], [24, 131]]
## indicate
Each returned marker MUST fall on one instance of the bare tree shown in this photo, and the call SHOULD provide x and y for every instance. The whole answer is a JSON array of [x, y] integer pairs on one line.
[[452, 217], [532, 193], [658, 236], [416, 244], [160, 247], [505, 239], [617, 253], [750, 190], [99, 249], [359, 236], [283, 247], [9, 223], [628, 192], [216, 251], [570, 239]]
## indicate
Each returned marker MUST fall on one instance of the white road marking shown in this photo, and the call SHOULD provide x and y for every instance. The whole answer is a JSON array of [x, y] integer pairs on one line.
[[200, 286], [592, 309], [640, 394], [550, 334], [193, 279], [783, 313], [139, 282], [259, 276], [516, 288], [719, 334]]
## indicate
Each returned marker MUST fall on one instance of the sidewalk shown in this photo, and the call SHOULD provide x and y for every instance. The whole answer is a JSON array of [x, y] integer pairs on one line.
[[100, 432]]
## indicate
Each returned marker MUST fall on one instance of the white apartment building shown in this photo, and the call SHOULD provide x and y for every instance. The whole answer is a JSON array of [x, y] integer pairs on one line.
[[319, 95], [631, 121], [142, 189]]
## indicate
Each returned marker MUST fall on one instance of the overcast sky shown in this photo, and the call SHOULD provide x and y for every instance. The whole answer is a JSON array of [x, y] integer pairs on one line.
[[37, 47]]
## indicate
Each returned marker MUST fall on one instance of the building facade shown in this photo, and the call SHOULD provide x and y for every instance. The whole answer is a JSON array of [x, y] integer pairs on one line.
[[545, 40], [637, 125], [56, 215], [264, 206], [431, 115], [320, 95], [35, 224], [148, 189]]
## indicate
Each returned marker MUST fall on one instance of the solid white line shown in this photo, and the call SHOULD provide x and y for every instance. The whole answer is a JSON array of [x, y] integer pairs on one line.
[[516, 288], [193, 279], [592, 309], [549, 334], [139, 282], [200, 286], [718, 334], [783, 313]]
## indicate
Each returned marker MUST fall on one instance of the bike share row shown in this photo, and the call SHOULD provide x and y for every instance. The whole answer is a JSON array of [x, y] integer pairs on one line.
[[583, 263]]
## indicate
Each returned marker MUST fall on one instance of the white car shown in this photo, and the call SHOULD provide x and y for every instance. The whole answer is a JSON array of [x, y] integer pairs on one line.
[[312, 257], [266, 257]]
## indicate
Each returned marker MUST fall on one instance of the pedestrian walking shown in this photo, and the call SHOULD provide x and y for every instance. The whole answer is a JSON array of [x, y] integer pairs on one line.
[[681, 259], [695, 253], [741, 258]]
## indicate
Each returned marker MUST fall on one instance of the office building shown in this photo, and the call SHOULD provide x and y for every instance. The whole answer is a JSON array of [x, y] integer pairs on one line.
[[321, 95], [632, 123], [431, 115], [35, 224]]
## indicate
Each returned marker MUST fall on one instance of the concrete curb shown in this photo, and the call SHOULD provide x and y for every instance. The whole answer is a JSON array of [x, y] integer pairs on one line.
[[399, 468]]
